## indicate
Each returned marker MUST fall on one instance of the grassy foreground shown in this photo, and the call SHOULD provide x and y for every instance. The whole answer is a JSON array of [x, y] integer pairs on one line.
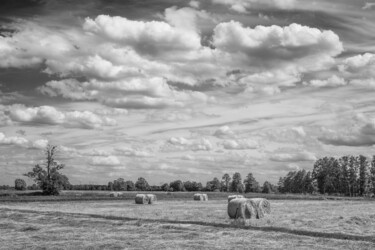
[[185, 224]]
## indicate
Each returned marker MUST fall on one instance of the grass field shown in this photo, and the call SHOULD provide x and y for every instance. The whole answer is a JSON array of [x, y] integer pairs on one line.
[[185, 224]]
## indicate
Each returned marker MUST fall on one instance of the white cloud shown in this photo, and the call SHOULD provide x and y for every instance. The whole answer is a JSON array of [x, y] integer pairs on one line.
[[293, 157], [194, 4], [304, 47], [145, 37], [224, 132], [49, 115], [240, 144], [181, 143], [13, 140], [105, 161], [368, 6], [131, 152], [360, 131], [243, 6], [333, 81], [40, 144]]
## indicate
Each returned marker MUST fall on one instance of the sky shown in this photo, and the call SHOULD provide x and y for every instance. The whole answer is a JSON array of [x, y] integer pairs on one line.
[[184, 90]]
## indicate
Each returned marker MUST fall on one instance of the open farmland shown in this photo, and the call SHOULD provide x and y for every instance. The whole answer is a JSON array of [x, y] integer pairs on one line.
[[171, 224]]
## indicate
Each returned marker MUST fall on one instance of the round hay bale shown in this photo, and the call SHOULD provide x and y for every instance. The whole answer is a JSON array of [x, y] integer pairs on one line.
[[113, 194], [141, 199], [262, 205], [231, 197], [242, 208], [198, 197], [151, 198], [205, 197]]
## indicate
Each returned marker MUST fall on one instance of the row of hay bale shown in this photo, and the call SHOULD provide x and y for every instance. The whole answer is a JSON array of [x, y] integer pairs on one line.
[[145, 199], [248, 208], [200, 197]]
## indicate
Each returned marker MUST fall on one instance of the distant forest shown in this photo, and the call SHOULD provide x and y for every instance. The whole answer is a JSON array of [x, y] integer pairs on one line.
[[345, 176]]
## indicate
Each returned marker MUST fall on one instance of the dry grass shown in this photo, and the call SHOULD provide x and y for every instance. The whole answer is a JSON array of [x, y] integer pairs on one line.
[[169, 225]]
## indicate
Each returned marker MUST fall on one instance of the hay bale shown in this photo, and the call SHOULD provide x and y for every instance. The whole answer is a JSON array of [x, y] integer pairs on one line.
[[262, 206], [151, 198], [205, 197], [231, 197], [113, 194], [198, 197], [242, 208], [141, 199]]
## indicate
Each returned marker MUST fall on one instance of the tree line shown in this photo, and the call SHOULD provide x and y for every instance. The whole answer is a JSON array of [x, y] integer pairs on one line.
[[347, 176]]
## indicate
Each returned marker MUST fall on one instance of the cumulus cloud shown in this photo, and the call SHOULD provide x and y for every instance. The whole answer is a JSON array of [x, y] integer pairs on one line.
[[243, 6], [293, 157], [333, 81], [145, 37], [359, 134], [105, 161], [23, 142], [40, 144], [13, 140], [49, 115], [131, 152], [270, 46], [194, 4], [182, 143], [240, 144], [224, 132]]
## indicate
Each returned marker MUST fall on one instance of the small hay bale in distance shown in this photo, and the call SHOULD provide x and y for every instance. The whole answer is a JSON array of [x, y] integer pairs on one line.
[[151, 198], [205, 197], [114, 194], [198, 197], [242, 208], [141, 199], [231, 197]]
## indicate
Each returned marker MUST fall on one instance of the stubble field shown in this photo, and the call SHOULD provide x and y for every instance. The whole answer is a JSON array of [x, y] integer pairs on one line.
[[185, 224]]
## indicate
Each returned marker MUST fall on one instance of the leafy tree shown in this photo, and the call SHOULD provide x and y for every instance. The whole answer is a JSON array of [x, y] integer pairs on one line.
[[110, 186], [213, 185], [177, 186], [165, 187], [226, 181], [372, 174], [49, 179], [142, 184], [119, 185], [267, 187], [19, 184], [363, 177], [251, 185], [280, 185], [129, 186], [236, 181]]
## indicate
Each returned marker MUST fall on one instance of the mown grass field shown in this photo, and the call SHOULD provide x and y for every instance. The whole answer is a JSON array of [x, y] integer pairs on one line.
[[185, 224]]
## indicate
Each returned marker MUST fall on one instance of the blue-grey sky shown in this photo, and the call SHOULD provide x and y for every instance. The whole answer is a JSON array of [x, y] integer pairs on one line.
[[184, 90]]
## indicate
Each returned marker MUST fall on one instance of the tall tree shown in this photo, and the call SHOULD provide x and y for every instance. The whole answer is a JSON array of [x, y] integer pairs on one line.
[[142, 184], [372, 174], [236, 181], [267, 187], [177, 186], [226, 179], [49, 178], [363, 177], [251, 185], [353, 175]]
